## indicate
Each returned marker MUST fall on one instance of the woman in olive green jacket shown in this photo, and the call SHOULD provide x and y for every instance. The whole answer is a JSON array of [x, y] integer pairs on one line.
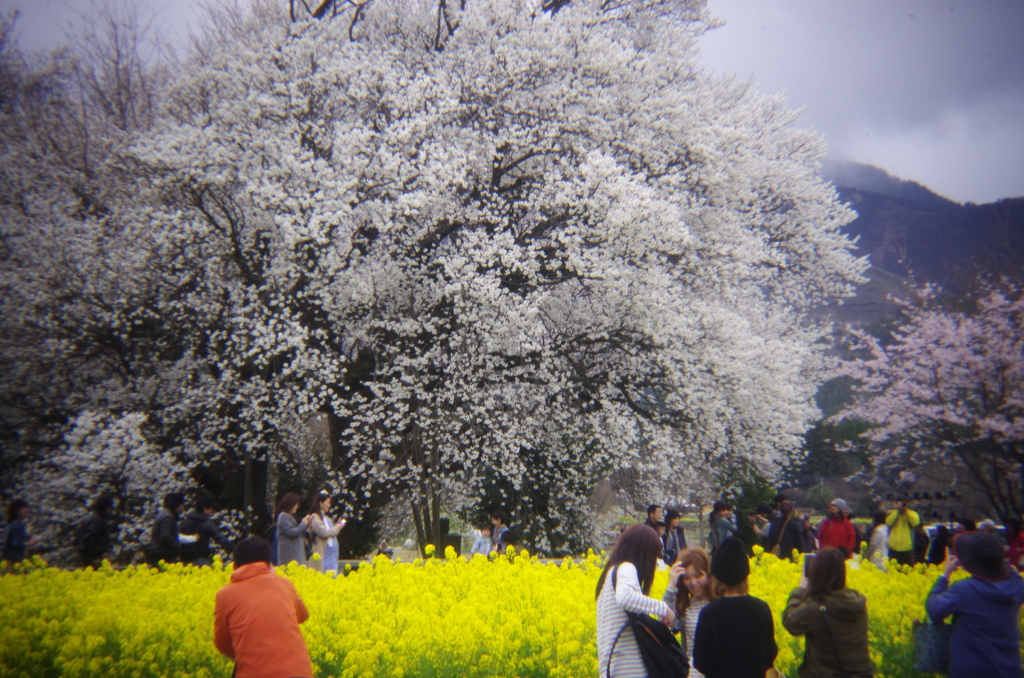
[[833, 618]]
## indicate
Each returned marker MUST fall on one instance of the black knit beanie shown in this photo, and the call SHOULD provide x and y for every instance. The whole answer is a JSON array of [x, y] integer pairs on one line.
[[729, 565]]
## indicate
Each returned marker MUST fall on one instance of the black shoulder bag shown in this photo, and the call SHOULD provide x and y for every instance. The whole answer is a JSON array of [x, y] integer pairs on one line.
[[662, 655]]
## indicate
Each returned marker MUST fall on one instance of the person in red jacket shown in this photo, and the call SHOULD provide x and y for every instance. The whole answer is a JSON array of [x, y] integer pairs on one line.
[[837, 530], [257, 617]]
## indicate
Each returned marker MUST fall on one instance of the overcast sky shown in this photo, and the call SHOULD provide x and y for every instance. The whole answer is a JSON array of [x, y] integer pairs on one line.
[[928, 90]]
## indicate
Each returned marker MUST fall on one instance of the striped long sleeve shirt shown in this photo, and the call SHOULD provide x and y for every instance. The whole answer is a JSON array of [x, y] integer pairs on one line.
[[687, 625], [612, 604]]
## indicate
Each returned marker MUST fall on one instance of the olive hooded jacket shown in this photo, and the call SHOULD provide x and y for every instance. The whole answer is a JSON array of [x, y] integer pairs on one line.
[[846, 611]]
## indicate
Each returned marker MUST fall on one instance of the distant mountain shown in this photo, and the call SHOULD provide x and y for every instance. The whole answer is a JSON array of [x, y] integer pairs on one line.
[[911, 233], [853, 175]]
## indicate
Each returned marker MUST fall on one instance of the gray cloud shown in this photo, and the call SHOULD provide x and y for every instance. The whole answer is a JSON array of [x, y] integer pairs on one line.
[[929, 91]]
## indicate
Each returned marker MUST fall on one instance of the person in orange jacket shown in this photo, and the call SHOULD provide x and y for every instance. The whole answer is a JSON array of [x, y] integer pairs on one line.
[[257, 617], [837, 530]]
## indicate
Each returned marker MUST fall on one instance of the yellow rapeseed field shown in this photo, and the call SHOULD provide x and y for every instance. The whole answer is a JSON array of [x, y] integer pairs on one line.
[[515, 616]]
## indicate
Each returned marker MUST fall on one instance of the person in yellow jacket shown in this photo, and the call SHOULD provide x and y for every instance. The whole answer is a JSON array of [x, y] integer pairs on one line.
[[901, 522]]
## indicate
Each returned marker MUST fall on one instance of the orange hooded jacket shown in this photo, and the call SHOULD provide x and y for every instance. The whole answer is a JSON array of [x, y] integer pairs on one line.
[[256, 623]]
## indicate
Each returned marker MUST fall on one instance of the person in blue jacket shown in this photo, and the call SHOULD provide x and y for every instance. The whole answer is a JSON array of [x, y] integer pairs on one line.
[[16, 537], [985, 640]]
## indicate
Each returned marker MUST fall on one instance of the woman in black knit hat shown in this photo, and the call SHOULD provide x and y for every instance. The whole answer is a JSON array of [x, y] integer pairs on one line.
[[735, 633]]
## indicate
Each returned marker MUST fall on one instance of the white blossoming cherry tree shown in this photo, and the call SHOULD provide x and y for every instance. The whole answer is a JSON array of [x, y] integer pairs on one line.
[[498, 241], [503, 249]]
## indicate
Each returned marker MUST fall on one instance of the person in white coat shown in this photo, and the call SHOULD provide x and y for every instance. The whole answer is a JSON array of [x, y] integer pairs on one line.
[[325, 532], [878, 545], [625, 585]]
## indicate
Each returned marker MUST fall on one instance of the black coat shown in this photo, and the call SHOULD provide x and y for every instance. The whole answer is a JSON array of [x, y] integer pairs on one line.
[[93, 538], [200, 524], [792, 538], [164, 543]]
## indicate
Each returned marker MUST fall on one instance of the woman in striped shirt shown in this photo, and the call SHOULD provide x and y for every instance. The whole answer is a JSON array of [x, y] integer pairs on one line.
[[692, 569], [624, 586]]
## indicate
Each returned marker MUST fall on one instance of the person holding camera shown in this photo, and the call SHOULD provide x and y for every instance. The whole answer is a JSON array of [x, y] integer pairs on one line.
[[256, 617], [289, 530], [833, 618], [902, 521], [985, 635]]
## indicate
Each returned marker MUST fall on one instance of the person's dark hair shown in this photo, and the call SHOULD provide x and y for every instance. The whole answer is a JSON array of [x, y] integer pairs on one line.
[[715, 508], [204, 503], [103, 503], [969, 525], [640, 545], [486, 526], [878, 518], [251, 550], [321, 497], [173, 500], [787, 507], [500, 515], [13, 508], [661, 523], [828, 573], [651, 509], [510, 538], [672, 515], [779, 498], [289, 502]]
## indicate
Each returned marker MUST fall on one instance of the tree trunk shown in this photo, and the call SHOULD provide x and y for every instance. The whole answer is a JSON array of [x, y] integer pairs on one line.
[[247, 487], [421, 539], [435, 504]]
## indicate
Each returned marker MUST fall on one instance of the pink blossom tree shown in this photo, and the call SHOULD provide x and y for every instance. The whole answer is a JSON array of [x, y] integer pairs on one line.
[[949, 390]]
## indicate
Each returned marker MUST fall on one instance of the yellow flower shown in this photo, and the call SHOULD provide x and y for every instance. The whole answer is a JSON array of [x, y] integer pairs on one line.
[[316, 558], [511, 616]]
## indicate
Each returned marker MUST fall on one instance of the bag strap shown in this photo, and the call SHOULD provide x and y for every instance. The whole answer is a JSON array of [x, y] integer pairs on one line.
[[608, 669], [777, 549], [835, 648], [682, 634]]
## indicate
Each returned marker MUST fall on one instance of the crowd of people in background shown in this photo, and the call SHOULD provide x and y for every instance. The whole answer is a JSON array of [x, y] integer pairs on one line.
[[897, 534], [310, 540], [707, 601]]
